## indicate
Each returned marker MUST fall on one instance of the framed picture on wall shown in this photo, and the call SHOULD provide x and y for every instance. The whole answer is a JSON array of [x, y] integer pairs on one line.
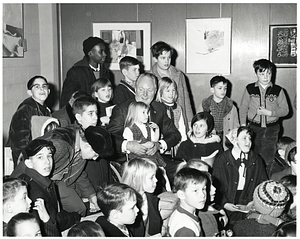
[[283, 45], [125, 39], [208, 45], [13, 30]]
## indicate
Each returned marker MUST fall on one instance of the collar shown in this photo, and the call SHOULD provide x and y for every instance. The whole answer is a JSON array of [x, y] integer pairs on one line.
[[258, 85], [237, 154], [43, 181], [129, 87], [95, 69]]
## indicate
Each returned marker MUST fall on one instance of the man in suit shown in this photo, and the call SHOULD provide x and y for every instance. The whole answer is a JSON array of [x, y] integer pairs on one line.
[[146, 87]]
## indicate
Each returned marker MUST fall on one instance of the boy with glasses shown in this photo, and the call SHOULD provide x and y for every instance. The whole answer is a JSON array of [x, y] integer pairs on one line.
[[20, 127]]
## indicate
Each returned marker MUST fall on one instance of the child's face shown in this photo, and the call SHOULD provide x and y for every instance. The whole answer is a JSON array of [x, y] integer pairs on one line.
[[219, 90], [87, 151], [39, 91], [28, 229], [264, 77], [164, 60], [194, 196], [169, 93], [42, 162], [132, 73], [294, 164], [104, 94], [142, 115], [200, 128], [89, 116], [21, 202], [128, 212], [244, 142], [150, 180]]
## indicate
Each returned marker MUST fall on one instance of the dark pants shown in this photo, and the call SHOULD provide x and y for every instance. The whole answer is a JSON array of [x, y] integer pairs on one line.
[[265, 141]]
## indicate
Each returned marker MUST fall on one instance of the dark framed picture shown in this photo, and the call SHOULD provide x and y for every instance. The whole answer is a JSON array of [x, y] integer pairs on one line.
[[13, 30], [283, 45]]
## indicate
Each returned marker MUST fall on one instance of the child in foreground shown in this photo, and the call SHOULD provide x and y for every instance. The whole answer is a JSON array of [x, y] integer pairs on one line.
[[190, 186], [118, 202], [23, 224], [140, 175]]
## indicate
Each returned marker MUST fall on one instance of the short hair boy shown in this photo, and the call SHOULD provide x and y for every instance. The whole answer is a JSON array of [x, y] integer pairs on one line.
[[20, 126], [85, 111], [221, 108], [190, 186], [130, 68], [35, 167], [262, 105], [279, 163], [290, 158], [65, 114], [118, 202]]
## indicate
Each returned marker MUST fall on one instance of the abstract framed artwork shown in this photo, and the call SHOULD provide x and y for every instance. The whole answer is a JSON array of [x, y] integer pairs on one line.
[[13, 30], [208, 45], [283, 45], [125, 39]]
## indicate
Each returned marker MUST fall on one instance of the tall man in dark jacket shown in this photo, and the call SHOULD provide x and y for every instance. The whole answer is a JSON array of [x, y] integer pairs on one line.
[[146, 87], [85, 72]]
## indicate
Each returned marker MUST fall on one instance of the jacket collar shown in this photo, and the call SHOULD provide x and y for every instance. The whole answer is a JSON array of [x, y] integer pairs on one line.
[[43, 181]]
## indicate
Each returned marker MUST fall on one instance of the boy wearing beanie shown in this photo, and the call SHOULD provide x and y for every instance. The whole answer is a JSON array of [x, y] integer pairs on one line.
[[84, 73], [269, 201]]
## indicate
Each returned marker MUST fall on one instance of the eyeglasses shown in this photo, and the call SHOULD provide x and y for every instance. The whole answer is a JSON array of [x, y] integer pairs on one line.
[[38, 87]]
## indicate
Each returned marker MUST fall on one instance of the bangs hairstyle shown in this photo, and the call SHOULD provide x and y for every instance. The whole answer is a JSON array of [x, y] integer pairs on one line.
[[81, 103], [114, 196], [132, 114], [186, 176], [207, 117], [159, 47], [263, 65], [18, 219], [164, 83], [217, 79], [245, 128], [135, 170], [101, 83], [11, 186], [127, 61]]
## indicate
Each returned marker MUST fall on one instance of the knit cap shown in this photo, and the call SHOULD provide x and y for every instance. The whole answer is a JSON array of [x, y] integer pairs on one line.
[[288, 149], [90, 42], [270, 198]]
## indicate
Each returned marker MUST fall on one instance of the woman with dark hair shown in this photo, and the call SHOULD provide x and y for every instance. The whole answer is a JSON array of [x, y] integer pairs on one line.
[[201, 143]]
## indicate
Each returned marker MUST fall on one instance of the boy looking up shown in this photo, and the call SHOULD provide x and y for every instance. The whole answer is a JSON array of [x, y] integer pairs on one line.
[[118, 202], [221, 108], [35, 167], [20, 126], [263, 103], [130, 68], [190, 186]]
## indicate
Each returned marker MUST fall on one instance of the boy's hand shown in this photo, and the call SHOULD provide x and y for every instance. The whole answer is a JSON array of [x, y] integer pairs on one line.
[[93, 204], [104, 120], [224, 217], [232, 207], [42, 211], [263, 111], [153, 125]]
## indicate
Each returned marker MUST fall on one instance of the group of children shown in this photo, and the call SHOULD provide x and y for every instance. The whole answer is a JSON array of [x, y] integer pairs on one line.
[[217, 186]]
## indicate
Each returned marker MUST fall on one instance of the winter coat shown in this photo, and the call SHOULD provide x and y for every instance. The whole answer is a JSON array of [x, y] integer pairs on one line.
[[80, 77], [20, 126]]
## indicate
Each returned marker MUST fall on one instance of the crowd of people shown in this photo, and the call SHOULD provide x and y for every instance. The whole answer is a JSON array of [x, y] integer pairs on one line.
[[139, 158]]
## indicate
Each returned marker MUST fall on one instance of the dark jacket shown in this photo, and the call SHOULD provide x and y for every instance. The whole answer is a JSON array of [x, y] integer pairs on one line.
[[123, 92], [20, 126], [138, 229], [80, 77], [43, 187], [67, 167], [110, 230], [65, 115], [158, 115], [226, 173]]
